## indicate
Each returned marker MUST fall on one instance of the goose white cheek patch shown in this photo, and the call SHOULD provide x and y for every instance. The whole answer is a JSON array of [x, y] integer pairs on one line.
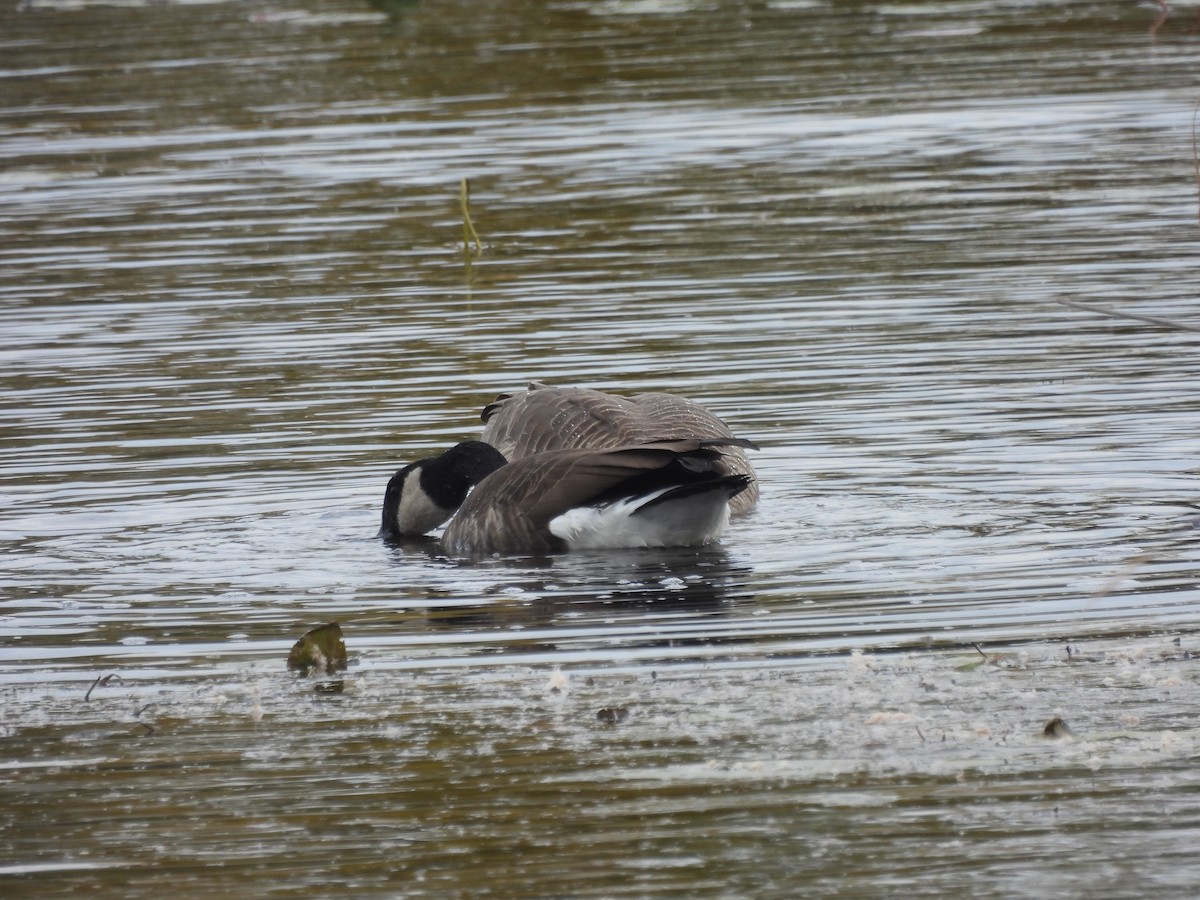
[[417, 514]]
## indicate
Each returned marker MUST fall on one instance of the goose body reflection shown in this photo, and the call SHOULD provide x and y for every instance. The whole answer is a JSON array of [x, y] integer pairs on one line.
[[543, 418], [667, 493]]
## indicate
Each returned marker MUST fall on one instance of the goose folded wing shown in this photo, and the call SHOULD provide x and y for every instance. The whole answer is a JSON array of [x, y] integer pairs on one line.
[[511, 510], [589, 477]]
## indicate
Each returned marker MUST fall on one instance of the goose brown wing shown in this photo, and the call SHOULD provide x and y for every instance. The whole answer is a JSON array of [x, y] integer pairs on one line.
[[511, 510]]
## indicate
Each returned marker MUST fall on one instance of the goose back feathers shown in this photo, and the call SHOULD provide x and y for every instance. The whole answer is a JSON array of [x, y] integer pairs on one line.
[[545, 418]]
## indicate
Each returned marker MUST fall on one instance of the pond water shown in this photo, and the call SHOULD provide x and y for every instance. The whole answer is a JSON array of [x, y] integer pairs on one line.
[[937, 258]]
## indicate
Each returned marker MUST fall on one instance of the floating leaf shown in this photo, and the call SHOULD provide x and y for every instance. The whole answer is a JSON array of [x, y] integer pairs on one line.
[[320, 650]]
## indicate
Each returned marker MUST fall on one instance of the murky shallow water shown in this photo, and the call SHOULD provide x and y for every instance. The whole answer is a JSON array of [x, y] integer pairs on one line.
[[235, 301]]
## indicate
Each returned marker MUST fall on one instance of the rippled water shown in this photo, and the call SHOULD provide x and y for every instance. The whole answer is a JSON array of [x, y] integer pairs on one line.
[[235, 299]]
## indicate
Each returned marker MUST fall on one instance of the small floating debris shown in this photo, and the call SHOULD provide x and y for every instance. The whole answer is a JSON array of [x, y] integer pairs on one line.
[[613, 715], [1057, 729], [321, 651], [101, 681]]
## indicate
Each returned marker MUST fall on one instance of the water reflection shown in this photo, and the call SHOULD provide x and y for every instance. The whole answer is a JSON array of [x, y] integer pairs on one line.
[[671, 596]]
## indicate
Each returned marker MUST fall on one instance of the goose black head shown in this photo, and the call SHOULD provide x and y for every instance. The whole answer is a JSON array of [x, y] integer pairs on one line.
[[425, 494]]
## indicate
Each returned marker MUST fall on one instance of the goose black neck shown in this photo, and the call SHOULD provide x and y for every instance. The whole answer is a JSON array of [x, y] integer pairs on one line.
[[446, 479]]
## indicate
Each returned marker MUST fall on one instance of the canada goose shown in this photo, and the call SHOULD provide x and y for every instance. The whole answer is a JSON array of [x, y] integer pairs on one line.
[[553, 418], [659, 494]]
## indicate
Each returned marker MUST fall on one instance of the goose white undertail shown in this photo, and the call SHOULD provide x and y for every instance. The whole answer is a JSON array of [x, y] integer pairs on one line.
[[687, 519]]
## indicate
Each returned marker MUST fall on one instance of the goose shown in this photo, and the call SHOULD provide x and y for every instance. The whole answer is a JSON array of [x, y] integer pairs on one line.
[[665, 493], [543, 418]]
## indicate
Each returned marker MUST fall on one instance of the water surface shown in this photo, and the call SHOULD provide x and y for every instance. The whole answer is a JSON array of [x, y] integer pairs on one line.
[[236, 300]]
